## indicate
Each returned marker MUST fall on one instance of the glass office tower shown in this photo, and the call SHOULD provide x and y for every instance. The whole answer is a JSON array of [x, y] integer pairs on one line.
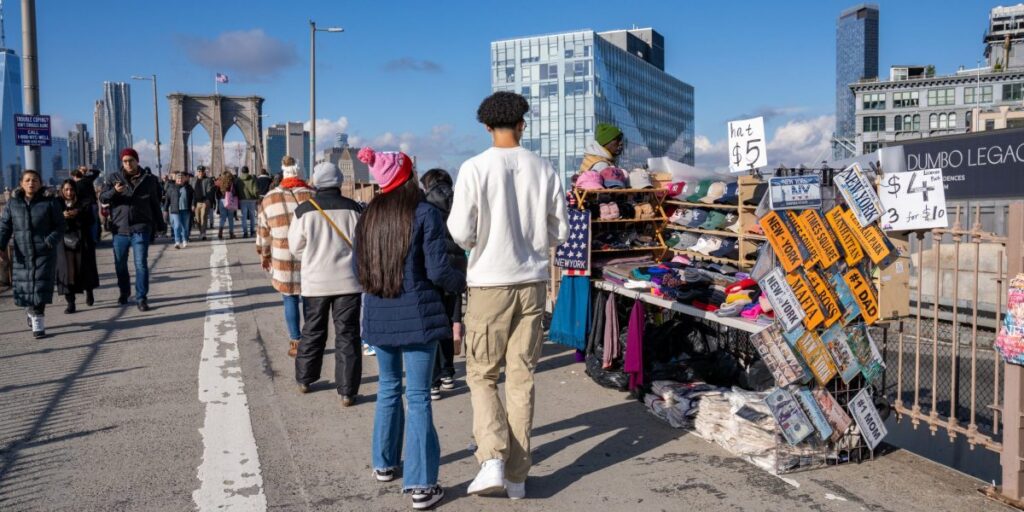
[[856, 58], [577, 79], [11, 155]]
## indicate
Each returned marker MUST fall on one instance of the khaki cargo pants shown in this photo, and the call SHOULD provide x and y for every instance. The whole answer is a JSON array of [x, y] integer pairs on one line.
[[503, 328]]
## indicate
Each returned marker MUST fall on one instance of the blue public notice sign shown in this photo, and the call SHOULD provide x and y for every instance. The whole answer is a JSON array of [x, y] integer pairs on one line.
[[31, 130]]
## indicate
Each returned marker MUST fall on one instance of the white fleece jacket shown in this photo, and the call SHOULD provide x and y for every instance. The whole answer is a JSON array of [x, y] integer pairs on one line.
[[509, 211]]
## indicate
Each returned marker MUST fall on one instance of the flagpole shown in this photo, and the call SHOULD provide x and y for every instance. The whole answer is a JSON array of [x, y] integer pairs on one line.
[[216, 91]]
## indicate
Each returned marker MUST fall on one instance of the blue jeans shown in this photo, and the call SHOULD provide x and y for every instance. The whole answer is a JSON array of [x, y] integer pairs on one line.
[[139, 244], [226, 216], [180, 224], [291, 316], [248, 207], [422, 448]]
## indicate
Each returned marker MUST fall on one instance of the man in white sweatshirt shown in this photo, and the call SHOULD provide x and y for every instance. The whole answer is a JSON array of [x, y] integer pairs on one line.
[[509, 211]]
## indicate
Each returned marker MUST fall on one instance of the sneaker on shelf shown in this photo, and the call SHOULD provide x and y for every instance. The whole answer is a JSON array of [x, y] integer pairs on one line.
[[515, 491], [491, 477], [384, 475], [447, 383], [423, 499], [435, 392]]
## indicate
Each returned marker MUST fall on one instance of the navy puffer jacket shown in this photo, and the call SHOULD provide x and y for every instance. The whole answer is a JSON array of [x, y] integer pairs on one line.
[[418, 314], [37, 228]]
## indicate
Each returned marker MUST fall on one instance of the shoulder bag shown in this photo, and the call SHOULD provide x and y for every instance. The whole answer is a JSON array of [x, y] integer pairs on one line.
[[331, 222]]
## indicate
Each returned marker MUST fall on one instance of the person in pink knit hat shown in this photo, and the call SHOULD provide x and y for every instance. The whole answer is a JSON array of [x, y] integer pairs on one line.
[[403, 266]]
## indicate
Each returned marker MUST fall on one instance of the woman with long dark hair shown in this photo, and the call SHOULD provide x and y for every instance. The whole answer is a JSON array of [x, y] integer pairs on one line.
[[76, 255], [35, 223], [403, 267]]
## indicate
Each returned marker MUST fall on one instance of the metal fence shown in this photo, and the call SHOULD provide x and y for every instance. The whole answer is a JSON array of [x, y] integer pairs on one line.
[[943, 371]]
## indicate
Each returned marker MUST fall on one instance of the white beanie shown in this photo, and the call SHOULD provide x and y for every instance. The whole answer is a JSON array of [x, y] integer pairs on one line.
[[290, 171]]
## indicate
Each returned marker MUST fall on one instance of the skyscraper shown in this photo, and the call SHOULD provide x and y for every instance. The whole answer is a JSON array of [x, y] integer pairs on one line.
[[79, 147], [55, 159], [112, 120], [856, 59], [286, 139], [11, 156], [576, 80]]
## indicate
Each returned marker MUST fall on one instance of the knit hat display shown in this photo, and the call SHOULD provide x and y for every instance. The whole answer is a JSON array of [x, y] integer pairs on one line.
[[326, 175], [391, 169], [605, 133], [130, 152]]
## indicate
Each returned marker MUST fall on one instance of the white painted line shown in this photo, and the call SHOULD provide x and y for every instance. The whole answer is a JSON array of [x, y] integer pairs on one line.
[[833, 497], [230, 471]]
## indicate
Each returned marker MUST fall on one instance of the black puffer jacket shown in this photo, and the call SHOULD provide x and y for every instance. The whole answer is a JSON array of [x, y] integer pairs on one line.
[[440, 196], [137, 209], [37, 228]]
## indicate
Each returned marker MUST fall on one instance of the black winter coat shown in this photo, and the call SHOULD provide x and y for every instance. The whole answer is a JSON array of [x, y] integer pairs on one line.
[[137, 209], [418, 314], [76, 269], [172, 199], [440, 196], [85, 188], [37, 229]]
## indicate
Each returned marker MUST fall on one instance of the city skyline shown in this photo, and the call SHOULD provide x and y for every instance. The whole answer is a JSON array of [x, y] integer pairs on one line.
[[400, 84]]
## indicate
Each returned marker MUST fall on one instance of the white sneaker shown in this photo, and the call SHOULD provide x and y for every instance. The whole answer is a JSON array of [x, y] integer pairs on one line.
[[491, 477], [515, 491], [177, 245], [184, 244]]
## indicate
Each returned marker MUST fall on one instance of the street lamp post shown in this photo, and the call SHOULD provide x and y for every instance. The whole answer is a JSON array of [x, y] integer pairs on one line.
[[312, 86], [156, 122]]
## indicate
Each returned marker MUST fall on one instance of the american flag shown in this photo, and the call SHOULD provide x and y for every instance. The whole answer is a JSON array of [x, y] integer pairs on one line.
[[221, 78], [574, 255]]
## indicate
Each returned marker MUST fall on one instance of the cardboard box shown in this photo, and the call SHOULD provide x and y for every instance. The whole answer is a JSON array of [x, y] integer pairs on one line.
[[893, 281]]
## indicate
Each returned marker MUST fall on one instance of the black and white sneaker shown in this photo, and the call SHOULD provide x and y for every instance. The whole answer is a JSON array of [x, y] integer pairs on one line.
[[426, 498], [435, 393], [447, 383], [384, 475]]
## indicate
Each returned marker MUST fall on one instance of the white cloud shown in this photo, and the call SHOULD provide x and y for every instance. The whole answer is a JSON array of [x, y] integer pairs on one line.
[[798, 141], [234, 154], [440, 147], [244, 55], [327, 131]]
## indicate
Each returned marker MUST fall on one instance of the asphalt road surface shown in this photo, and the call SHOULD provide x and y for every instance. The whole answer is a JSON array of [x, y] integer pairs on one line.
[[192, 406]]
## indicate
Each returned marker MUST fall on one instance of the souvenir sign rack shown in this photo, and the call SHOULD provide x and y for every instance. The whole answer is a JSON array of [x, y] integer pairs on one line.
[[820, 270]]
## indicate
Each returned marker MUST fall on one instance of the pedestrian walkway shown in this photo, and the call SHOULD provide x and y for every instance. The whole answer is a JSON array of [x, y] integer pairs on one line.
[[105, 414]]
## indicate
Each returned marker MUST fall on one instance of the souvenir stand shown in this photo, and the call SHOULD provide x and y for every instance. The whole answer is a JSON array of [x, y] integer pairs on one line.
[[779, 290]]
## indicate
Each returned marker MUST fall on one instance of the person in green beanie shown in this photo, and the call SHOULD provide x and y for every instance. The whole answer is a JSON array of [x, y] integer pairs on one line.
[[604, 150]]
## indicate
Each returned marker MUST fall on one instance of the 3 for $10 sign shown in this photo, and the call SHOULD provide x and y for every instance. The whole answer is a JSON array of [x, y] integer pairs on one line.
[[913, 200]]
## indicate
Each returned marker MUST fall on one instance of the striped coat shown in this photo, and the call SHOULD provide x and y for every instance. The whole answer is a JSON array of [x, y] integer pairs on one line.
[[276, 214]]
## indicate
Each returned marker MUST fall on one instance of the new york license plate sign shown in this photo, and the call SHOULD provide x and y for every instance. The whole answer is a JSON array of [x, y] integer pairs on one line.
[[860, 194], [795, 193], [784, 302]]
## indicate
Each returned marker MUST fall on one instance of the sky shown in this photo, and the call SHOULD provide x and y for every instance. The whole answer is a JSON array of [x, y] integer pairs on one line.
[[409, 75]]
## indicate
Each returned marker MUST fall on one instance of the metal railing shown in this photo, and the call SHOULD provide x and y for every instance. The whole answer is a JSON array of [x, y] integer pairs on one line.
[[947, 374]]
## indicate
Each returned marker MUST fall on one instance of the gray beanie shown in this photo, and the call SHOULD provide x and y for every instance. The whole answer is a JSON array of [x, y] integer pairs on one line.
[[326, 175]]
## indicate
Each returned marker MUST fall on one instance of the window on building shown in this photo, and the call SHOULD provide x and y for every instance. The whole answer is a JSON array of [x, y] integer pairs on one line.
[[1013, 92], [971, 95], [933, 122], [548, 90], [940, 97], [874, 101], [917, 123], [990, 124], [969, 121], [871, 147], [943, 121], [874, 123], [1015, 123], [548, 71], [898, 123], [905, 99], [952, 120]]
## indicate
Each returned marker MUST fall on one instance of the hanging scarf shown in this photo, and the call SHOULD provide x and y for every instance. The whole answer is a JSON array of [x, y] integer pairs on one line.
[[293, 183], [634, 363], [569, 321]]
